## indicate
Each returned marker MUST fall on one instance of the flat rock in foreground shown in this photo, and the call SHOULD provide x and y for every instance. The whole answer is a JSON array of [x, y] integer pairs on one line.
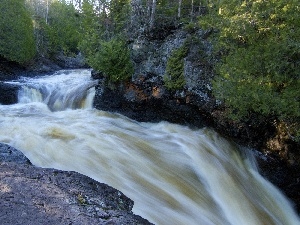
[[33, 195]]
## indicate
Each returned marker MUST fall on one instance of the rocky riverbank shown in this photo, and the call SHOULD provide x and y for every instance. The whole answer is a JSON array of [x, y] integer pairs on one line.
[[33, 195]]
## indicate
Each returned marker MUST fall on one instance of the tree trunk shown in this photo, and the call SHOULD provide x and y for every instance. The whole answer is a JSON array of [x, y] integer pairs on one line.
[[192, 10], [47, 11], [152, 18], [179, 8]]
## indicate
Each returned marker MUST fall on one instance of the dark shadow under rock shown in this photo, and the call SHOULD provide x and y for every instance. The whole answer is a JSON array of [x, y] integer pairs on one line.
[[32, 195]]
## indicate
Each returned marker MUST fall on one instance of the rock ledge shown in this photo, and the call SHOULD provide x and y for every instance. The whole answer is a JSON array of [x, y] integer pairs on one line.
[[33, 195]]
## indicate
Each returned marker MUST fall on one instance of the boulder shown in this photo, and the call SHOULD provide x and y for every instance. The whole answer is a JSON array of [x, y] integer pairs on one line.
[[8, 93]]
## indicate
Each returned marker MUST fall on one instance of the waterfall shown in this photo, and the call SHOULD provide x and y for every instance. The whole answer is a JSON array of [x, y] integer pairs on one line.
[[63, 90], [174, 174]]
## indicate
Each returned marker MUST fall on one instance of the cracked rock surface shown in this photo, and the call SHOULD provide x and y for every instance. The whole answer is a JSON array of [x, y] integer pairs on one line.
[[33, 195]]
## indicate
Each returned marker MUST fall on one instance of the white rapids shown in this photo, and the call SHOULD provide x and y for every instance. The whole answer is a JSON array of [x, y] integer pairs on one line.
[[174, 174]]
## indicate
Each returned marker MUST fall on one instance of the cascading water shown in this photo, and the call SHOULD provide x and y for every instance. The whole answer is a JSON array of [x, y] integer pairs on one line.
[[174, 174], [63, 90]]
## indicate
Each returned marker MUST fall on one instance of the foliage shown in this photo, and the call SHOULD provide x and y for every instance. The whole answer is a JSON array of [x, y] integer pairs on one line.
[[174, 78], [103, 50], [113, 59], [16, 36], [90, 30], [119, 14], [63, 28], [260, 57]]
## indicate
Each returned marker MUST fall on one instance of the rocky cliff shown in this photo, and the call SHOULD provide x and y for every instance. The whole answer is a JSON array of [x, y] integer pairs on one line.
[[146, 98]]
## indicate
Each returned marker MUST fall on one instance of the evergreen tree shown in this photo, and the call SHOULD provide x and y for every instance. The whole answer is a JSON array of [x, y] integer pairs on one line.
[[174, 78], [91, 31], [101, 45], [113, 59], [260, 57], [119, 14], [16, 36], [63, 28]]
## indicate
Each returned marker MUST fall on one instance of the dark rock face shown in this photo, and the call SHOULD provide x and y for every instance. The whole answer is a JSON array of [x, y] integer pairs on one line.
[[147, 100], [285, 177], [9, 154], [31, 195], [8, 93], [67, 62], [97, 75], [9, 70], [145, 97]]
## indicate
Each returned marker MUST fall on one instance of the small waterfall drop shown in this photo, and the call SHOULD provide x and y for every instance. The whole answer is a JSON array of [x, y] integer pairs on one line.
[[62, 90], [174, 174]]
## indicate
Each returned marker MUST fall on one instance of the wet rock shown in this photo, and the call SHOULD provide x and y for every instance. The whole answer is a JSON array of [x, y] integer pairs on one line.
[[32, 195], [9, 70], [285, 176], [10, 154], [146, 100], [145, 97], [70, 62], [97, 75], [8, 93]]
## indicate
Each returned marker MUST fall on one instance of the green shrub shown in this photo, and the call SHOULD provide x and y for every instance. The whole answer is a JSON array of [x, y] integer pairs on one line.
[[174, 77], [113, 59]]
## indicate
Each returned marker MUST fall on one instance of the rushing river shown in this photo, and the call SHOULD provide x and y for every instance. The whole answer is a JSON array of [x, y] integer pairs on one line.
[[175, 175]]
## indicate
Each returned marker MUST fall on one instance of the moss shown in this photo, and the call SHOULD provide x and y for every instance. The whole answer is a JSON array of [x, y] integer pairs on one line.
[[81, 200]]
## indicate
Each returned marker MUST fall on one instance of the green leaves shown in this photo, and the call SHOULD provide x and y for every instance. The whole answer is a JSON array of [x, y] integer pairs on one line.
[[63, 29], [260, 64], [174, 78], [113, 59], [16, 36], [101, 45]]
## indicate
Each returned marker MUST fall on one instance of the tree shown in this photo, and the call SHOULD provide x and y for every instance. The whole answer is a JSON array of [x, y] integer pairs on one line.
[[16, 36], [152, 17], [92, 31], [113, 59], [63, 28], [39, 11], [260, 57], [174, 77], [179, 8], [119, 14]]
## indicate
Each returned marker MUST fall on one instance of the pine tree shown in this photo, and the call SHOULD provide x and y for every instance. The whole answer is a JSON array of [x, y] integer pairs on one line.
[[16, 36], [63, 28], [260, 57]]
